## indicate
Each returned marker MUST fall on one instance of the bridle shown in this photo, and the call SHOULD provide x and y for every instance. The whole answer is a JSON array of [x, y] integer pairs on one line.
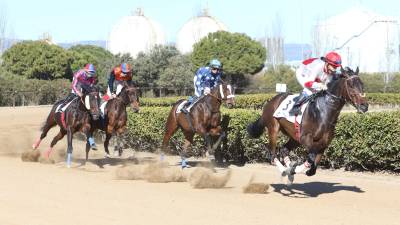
[[221, 91], [346, 87]]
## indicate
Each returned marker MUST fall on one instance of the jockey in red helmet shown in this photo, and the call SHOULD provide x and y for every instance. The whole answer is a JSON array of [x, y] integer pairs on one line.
[[313, 75], [119, 75]]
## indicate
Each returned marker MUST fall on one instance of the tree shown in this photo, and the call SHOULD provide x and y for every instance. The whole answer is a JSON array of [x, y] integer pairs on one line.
[[98, 56], [281, 74], [147, 67], [37, 59], [178, 73], [239, 54]]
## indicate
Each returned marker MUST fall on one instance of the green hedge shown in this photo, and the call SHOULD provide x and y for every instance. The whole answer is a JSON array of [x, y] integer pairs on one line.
[[256, 101], [363, 141]]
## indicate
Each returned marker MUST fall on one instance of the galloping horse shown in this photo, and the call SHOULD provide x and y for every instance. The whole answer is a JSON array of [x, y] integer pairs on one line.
[[77, 117], [204, 119], [115, 117], [318, 123]]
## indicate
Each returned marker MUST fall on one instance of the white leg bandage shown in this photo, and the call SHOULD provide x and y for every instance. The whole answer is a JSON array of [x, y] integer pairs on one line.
[[281, 168], [287, 161], [302, 168]]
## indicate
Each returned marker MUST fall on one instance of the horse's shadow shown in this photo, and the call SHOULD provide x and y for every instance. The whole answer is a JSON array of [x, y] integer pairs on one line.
[[312, 189], [101, 162]]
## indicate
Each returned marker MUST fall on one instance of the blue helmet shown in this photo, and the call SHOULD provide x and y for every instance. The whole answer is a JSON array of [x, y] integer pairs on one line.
[[215, 63], [125, 67], [90, 70]]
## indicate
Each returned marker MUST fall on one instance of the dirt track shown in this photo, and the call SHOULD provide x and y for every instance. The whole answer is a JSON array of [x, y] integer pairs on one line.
[[39, 194]]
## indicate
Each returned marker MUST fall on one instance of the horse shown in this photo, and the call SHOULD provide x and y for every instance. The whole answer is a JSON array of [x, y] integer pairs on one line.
[[115, 117], [316, 130], [204, 119], [76, 117]]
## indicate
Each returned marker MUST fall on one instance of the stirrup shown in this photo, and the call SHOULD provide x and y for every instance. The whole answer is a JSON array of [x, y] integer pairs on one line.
[[295, 111], [184, 110]]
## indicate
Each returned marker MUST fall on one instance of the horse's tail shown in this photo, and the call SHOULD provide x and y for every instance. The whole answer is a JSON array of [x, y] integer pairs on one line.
[[256, 128], [50, 120]]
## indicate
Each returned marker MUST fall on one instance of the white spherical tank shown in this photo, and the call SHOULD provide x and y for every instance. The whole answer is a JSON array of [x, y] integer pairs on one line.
[[196, 29], [134, 34], [362, 37]]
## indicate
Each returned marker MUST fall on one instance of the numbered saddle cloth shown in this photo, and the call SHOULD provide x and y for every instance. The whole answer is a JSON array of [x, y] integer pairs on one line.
[[286, 105]]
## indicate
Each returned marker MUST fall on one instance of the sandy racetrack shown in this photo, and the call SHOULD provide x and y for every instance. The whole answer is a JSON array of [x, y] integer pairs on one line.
[[38, 194]]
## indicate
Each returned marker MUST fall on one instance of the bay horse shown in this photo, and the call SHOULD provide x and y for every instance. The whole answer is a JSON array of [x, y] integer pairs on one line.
[[204, 119], [76, 117], [317, 126], [115, 117]]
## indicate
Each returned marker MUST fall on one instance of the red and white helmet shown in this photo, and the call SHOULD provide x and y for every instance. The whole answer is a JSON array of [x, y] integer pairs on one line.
[[333, 59]]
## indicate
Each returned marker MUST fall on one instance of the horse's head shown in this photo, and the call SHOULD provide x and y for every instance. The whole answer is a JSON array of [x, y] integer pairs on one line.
[[349, 87], [224, 93], [130, 96], [92, 101]]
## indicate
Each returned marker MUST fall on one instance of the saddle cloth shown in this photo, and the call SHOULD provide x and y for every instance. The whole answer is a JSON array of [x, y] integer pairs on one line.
[[286, 105], [180, 106], [59, 109], [102, 108]]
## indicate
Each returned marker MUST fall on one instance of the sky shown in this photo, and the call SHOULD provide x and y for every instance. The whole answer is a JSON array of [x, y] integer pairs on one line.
[[82, 20]]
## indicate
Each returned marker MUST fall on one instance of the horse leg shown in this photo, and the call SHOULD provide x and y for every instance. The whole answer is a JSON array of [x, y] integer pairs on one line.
[[58, 137], [118, 147], [89, 135], [50, 122], [273, 129], [313, 159], [188, 142], [170, 128], [290, 171], [87, 151], [309, 167], [69, 149], [106, 143]]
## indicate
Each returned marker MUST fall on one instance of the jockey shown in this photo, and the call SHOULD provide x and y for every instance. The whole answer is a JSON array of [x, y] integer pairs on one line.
[[314, 74], [82, 79], [206, 78], [118, 75], [85, 77]]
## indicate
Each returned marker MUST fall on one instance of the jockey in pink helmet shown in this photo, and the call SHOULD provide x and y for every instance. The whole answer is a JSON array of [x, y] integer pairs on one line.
[[82, 79], [313, 75]]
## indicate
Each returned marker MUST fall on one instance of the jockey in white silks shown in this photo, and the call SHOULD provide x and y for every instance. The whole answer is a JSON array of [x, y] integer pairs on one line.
[[313, 75]]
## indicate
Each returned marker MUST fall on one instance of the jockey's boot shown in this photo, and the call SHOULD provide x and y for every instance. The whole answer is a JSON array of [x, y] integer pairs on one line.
[[184, 108], [68, 99], [188, 103], [296, 110]]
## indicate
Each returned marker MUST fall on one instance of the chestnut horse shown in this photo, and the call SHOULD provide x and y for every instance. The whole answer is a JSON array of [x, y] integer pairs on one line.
[[204, 119], [318, 123], [115, 117], [76, 117]]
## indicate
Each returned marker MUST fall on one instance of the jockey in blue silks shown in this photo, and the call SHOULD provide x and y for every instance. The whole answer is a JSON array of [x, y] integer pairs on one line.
[[206, 78]]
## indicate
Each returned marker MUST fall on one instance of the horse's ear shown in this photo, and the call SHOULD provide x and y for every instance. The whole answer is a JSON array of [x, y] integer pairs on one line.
[[342, 71], [357, 71]]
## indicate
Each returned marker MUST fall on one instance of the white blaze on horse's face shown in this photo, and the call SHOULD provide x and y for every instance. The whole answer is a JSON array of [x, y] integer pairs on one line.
[[119, 89], [87, 102], [221, 91], [231, 95]]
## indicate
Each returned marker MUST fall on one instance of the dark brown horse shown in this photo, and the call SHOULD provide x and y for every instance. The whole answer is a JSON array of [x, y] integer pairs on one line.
[[318, 123], [204, 119], [76, 117], [115, 117]]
